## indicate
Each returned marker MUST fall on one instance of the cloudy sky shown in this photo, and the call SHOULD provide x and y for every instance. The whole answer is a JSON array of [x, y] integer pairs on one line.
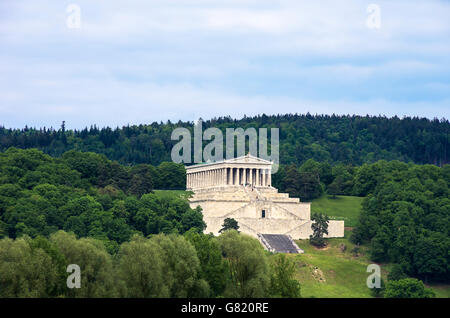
[[143, 61]]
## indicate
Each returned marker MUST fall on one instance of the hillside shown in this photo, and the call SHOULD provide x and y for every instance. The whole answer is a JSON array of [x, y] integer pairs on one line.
[[335, 139], [329, 272]]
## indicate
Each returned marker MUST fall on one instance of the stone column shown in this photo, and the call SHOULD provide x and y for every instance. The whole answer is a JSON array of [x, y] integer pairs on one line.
[[269, 175], [251, 176], [263, 177]]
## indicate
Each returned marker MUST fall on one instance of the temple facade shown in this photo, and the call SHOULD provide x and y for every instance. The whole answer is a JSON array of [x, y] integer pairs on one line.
[[241, 189]]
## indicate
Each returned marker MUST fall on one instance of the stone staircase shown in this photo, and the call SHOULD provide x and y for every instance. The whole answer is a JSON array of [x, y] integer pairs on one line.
[[279, 243]]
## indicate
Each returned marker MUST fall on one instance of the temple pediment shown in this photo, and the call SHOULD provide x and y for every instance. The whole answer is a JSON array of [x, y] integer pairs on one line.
[[249, 159]]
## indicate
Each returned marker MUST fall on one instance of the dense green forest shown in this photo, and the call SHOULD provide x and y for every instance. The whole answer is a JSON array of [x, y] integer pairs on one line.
[[406, 217], [89, 195], [334, 139], [190, 265]]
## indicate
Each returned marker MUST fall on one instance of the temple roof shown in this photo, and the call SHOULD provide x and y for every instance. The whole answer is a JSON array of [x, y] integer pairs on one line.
[[247, 159]]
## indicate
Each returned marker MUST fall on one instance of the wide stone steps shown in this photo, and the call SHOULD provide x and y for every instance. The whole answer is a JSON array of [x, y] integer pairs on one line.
[[279, 243]]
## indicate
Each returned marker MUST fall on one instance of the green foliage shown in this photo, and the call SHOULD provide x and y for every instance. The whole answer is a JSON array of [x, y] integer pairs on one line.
[[95, 263], [229, 224], [303, 182], [320, 228], [406, 217], [182, 267], [334, 139], [141, 269], [282, 281], [89, 195], [26, 271], [407, 288], [248, 266], [397, 273], [213, 266]]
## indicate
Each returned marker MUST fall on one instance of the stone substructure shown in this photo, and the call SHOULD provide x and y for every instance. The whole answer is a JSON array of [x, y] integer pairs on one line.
[[241, 189]]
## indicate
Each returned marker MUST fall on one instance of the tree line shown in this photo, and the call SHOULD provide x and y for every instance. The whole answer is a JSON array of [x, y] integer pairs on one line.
[[334, 139], [189, 265]]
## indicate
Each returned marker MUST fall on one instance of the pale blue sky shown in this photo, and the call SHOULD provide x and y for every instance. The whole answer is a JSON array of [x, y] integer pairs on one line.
[[143, 61]]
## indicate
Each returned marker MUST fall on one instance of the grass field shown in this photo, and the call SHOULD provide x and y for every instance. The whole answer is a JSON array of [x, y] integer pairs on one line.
[[182, 193], [343, 207], [329, 272]]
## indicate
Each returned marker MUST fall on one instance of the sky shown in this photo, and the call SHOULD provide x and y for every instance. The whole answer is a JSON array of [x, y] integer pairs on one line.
[[113, 63]]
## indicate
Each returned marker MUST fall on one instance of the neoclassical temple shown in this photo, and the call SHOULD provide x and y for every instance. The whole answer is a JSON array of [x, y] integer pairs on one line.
[[247, 171], [241, 188]]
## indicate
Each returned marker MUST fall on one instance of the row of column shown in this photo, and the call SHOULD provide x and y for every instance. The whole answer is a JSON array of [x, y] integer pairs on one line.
[[206, 178], [229, 176]]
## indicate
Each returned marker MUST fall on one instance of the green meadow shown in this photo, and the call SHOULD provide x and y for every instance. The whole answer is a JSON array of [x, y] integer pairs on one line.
[[332, 271], [341, 207]]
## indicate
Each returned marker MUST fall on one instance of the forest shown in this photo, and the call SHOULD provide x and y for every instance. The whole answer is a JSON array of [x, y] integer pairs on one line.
[[89, 195], [334, 139]]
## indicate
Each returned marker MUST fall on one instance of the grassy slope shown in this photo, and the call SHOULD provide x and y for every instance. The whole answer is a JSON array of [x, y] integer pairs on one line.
[[182, 193], [329, 272], [343, 207]]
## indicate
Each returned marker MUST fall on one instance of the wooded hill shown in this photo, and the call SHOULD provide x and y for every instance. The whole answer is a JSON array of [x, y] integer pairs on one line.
[[335, 139]]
